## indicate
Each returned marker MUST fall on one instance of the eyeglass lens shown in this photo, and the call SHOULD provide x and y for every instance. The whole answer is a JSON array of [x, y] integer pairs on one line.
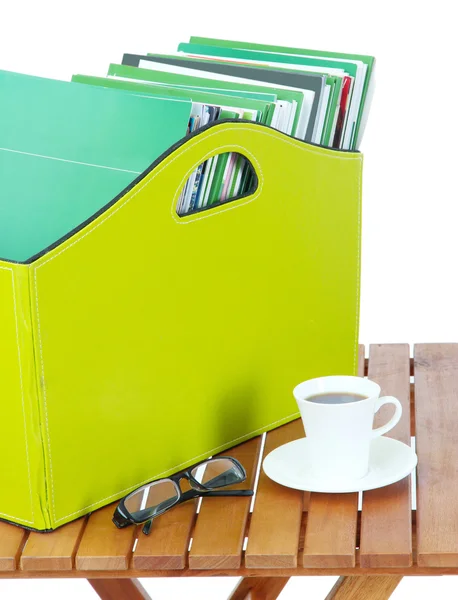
[[218, 472], [152, 500]]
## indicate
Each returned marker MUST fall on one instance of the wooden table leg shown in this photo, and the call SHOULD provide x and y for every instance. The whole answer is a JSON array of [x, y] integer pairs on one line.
[[259, 588], [119, 589], [360, 587]]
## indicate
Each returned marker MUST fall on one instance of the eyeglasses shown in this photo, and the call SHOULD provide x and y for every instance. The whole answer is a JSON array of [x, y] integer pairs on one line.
[[155, 498]]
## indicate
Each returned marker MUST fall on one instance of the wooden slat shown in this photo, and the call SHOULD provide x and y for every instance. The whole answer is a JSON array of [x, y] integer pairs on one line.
[[375, 587], [119, 589], [103, 546], [11, 541], [53, 551], [436, 422], [167, 545], [414, 570], [273, 536], [330, 536], [386, 521], [361, 360], [259, 588], [220, 528]]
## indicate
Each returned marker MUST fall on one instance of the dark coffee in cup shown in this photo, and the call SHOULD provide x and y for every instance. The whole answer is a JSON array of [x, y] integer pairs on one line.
[[336, 398]]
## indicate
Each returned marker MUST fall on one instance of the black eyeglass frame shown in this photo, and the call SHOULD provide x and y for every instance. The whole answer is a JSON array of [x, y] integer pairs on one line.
[[123, 518]]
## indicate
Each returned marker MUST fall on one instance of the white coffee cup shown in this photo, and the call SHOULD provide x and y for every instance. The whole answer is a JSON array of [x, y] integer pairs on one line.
[[339, 435]]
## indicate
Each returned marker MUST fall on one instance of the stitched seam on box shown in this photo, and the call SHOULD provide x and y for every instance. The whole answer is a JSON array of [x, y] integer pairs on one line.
[[43, 385], [22, 400], [17, 519], [190, 461], [300, 145], [358, 273], [22, 395]]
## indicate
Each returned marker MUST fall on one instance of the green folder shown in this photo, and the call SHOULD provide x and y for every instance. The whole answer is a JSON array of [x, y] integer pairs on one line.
[[239, 93], [369, 61], [242, 53], [265, 108], [68, 150], [150, 75], [332, 109]]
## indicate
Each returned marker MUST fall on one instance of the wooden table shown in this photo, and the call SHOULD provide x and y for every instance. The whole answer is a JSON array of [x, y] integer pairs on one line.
[[289, 533]]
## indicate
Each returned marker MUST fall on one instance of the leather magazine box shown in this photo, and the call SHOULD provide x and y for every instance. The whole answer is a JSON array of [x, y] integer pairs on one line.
[[144, 342]]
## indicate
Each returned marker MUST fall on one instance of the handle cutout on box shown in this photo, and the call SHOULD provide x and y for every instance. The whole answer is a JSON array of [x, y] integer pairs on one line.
[[220, 179]]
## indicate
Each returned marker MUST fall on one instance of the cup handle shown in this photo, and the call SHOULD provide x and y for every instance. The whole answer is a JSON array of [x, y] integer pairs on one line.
[[394, 419]]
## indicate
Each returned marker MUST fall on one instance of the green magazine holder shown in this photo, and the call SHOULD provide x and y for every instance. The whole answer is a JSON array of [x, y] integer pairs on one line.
[[145, 341]]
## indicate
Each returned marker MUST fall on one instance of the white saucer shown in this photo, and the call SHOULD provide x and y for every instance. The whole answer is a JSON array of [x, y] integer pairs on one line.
[[389, 462]]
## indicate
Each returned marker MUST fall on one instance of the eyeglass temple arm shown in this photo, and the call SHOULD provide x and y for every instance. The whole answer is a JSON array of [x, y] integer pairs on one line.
[[195, 494], [228, 493], [189, 495]]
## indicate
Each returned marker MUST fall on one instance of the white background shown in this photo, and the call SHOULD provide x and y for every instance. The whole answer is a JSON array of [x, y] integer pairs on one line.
[[409, 288]]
